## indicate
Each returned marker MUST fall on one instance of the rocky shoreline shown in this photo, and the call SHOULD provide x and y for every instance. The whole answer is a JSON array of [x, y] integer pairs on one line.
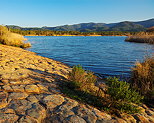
[[29, 93]]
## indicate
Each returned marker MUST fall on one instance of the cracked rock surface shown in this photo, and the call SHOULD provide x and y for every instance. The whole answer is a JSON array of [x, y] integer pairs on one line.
[[29, 93]]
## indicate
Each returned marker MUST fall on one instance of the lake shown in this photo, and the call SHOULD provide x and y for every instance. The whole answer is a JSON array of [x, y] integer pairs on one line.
[[104, 55]]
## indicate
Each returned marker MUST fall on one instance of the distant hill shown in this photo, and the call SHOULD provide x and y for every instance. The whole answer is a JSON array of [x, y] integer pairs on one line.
[[127, 26], [79, 27], [147, 23], [92, 27]]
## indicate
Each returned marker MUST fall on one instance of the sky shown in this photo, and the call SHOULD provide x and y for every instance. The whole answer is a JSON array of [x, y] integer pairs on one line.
[[38, 13]]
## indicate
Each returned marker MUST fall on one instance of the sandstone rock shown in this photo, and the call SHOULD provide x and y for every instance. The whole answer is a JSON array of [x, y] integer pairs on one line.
[[7, 111], [20, 106], [74, 119], [101, 115], [3, 99], [18, 88], [17, 95], [144, 106], [150, 118], [8, 118], [27, 119], [7, 88], [128, 118], [142, 110], [42, 88], [1, 89], [118, 120], [37, 112], [69, 104], [5, 80], [55, 118], [105, 121], [90, 117], [54, 90], [32, 89], [64, 113], [149, 112], [141, 118], [53, 100], [32, 98], [15, 82]]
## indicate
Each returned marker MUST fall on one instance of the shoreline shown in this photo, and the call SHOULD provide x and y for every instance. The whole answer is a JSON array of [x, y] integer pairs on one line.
[[30, 92], [76, 35]]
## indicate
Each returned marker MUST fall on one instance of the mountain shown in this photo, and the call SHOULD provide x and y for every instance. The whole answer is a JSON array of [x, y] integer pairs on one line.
[[92, 27], [83, 27], [147, 23], [127, 26]]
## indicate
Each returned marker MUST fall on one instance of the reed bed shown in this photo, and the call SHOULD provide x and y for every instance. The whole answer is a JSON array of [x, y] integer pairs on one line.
[[142, 37]]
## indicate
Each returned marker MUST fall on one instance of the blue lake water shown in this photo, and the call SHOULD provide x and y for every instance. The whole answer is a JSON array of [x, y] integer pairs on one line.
[[105, 55]]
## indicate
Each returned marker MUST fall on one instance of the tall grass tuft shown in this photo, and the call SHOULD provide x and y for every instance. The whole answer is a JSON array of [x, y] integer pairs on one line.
[[12, 39], [143, 77]]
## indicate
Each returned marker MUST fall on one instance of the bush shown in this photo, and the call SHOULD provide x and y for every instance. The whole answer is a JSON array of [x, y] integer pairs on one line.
[[81, 86], [121, 95], [12, 39], [81, 79]]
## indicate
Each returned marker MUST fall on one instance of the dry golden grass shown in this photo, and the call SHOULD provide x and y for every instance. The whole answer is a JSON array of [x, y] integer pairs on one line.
[[142, 37], [12, 39], [143, 77]]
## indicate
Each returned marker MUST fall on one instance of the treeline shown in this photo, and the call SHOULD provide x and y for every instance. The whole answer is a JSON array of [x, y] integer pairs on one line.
[[76, 33]]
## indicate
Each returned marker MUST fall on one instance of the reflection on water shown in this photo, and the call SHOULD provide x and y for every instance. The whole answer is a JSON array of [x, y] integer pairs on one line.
[[105, 55]]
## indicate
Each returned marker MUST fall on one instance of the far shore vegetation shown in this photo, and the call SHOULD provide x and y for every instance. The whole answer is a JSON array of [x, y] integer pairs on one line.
[[142, 37], [69, 33], [12, 39], [139, 37]]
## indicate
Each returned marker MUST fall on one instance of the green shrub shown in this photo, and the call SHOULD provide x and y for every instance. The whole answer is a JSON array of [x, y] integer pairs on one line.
[[81, 86], [121, 95], [121, 91], [81, 79]]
